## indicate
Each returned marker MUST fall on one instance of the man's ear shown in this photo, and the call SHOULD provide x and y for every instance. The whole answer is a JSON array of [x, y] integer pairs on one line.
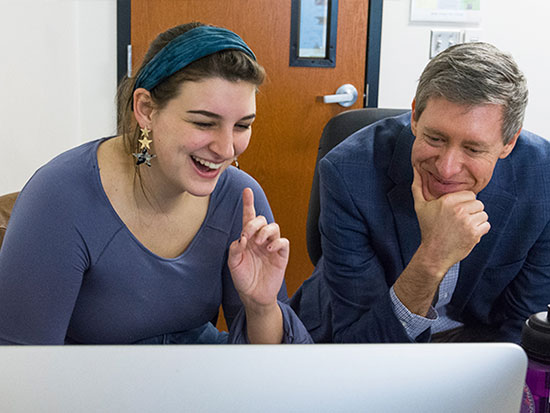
[[509, 146], [143, 107], [413, 122]]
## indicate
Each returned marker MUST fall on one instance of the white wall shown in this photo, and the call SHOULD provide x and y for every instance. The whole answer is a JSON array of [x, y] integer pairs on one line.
[[57, 80], [58, 70], [519, 27]]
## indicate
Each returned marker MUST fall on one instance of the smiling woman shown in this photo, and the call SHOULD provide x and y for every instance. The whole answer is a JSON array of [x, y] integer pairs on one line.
[[197, 134], [149, 232]]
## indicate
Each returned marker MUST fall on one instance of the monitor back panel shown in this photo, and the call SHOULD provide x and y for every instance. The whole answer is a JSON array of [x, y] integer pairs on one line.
[[238, 378]]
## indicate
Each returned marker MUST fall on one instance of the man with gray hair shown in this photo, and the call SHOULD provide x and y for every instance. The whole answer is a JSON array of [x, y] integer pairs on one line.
[[436, 224]]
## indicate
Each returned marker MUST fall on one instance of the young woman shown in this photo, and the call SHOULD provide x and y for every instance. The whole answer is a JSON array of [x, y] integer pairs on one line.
[[139, 238]]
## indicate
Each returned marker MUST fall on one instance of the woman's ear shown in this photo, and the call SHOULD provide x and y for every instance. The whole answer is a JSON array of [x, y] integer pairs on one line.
[[143, 107]]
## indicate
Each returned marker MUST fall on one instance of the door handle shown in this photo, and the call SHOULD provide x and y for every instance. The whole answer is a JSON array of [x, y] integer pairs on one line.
[[345, 96]]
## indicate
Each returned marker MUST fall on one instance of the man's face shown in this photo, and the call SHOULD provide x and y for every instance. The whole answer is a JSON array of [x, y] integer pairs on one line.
[[457, 146]]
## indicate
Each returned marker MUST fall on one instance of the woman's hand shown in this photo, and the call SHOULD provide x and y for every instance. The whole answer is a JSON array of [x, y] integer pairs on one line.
[[257, 262], [258, 259]]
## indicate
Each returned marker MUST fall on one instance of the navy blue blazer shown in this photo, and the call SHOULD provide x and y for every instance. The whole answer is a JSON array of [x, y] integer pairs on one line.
[[370, 232]]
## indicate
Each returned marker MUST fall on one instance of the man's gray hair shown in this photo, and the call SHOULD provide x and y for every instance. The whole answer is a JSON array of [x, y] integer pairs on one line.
[[476, 74]]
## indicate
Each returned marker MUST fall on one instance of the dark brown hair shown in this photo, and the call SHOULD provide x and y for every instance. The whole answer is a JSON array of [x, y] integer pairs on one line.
[[232, 65]]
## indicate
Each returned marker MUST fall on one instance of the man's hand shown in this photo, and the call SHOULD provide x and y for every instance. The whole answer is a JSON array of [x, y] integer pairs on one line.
[[451, 226]]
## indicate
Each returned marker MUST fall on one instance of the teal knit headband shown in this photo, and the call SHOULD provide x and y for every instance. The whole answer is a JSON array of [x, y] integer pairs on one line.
[[187, 48]]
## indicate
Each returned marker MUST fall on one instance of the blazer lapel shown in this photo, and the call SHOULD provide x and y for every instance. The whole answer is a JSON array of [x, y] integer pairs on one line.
[[400, 196], [498, 197]]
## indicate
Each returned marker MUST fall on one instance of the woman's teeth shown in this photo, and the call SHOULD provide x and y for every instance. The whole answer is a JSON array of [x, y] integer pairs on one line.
[[208, 164]]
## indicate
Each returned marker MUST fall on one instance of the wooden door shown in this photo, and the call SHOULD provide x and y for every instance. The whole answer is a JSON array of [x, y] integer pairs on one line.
[[290, 111]]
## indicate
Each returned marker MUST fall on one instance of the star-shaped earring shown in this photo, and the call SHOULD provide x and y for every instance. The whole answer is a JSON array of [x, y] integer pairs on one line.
[[145, 131], [144, 141], [144, 157]]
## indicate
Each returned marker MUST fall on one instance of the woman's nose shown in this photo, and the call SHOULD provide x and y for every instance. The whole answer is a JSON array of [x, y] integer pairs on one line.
[[223, 144]]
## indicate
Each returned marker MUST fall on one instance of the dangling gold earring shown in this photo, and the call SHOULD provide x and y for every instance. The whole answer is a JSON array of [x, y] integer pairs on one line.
[[144, 156], [236, 163]]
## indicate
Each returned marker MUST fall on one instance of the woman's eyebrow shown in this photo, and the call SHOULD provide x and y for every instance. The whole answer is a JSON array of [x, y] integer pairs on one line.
[[205, 113], [216, 116]]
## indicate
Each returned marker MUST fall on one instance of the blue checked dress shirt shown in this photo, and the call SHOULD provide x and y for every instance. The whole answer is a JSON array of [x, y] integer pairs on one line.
[[437, 317]]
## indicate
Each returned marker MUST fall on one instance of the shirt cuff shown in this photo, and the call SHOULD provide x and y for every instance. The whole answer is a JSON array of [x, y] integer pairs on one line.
[[413, 324], [294, 332]]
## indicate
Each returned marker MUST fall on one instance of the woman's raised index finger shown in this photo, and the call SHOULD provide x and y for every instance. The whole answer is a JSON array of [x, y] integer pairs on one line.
[[249, 213]]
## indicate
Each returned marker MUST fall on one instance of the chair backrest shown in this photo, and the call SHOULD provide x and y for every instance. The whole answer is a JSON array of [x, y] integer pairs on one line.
[[6, 205], [336, 130]]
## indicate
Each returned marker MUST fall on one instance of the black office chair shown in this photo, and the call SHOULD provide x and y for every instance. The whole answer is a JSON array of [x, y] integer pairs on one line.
[[336, 130]]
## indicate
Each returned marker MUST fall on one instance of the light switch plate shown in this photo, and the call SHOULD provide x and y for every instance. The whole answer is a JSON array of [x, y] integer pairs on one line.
[[472, 35], [441, 39]]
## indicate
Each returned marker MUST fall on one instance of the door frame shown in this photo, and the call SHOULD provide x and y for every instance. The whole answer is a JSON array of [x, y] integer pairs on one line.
[[374, 40]]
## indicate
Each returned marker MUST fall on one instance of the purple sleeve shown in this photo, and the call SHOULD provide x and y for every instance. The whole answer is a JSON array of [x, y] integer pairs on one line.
[[294, 331], [41, 266]]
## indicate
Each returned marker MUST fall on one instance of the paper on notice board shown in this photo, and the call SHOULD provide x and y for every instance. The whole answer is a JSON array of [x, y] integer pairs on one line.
[[459, 11]]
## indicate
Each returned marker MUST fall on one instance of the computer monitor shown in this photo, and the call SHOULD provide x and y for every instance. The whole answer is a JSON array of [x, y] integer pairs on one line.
[[286, 378]]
